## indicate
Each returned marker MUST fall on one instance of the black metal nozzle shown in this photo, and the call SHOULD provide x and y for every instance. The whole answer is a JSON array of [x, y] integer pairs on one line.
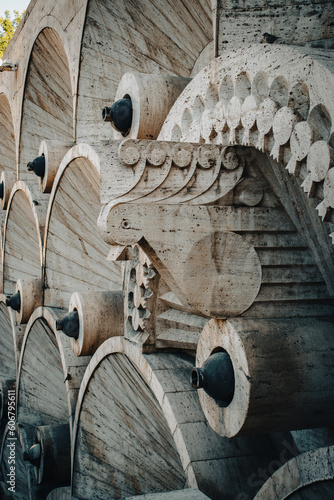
[[69, 324], [37, 166], [33, 455], [119, 115], [14, 301], [216, 377]]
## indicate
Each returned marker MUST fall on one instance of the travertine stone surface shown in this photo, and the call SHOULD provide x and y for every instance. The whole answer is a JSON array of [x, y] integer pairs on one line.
[[101, 316], [169, 171], [54, 373], [224, 210], [53, 151], [244, 250], [23, 235], [48, 105], [151, 96], [7, 353], [291, 21], [130, 429], [146, 37], [8, 180], [31, 297], [11, 340], [74, 256], [309, 475], [79, 53], [287, 113], [7, 137], [117, 371], [283, 372]]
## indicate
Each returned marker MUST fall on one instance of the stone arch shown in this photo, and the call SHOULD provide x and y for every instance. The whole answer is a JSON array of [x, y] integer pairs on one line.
[[118, 443], [7, 136], [9, 344], [23, 230], [310, 474], [46, 373], [47, 111], [74, 256]]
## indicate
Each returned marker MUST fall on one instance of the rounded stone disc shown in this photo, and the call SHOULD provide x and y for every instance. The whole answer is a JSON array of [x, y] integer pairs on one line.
[[222, 275]]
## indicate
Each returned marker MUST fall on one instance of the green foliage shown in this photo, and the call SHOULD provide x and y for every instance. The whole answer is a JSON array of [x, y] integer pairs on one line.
[[7, 28]]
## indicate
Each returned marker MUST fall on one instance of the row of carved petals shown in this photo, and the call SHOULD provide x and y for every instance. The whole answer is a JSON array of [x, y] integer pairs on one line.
[[181, 155], [209, 168], [275, 119], [139, 294]]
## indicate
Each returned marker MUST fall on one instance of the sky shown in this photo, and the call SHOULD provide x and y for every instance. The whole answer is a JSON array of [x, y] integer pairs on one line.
[[11, 5]]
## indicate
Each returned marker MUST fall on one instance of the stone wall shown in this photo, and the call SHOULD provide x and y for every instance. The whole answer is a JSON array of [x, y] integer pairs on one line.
[[293, 22]]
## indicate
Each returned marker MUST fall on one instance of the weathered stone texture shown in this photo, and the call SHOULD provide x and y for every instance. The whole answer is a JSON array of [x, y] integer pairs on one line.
[[294, 22], [215, 233]]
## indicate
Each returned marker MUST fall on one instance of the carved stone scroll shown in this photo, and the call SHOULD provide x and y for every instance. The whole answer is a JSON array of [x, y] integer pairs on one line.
[[171, 171]]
